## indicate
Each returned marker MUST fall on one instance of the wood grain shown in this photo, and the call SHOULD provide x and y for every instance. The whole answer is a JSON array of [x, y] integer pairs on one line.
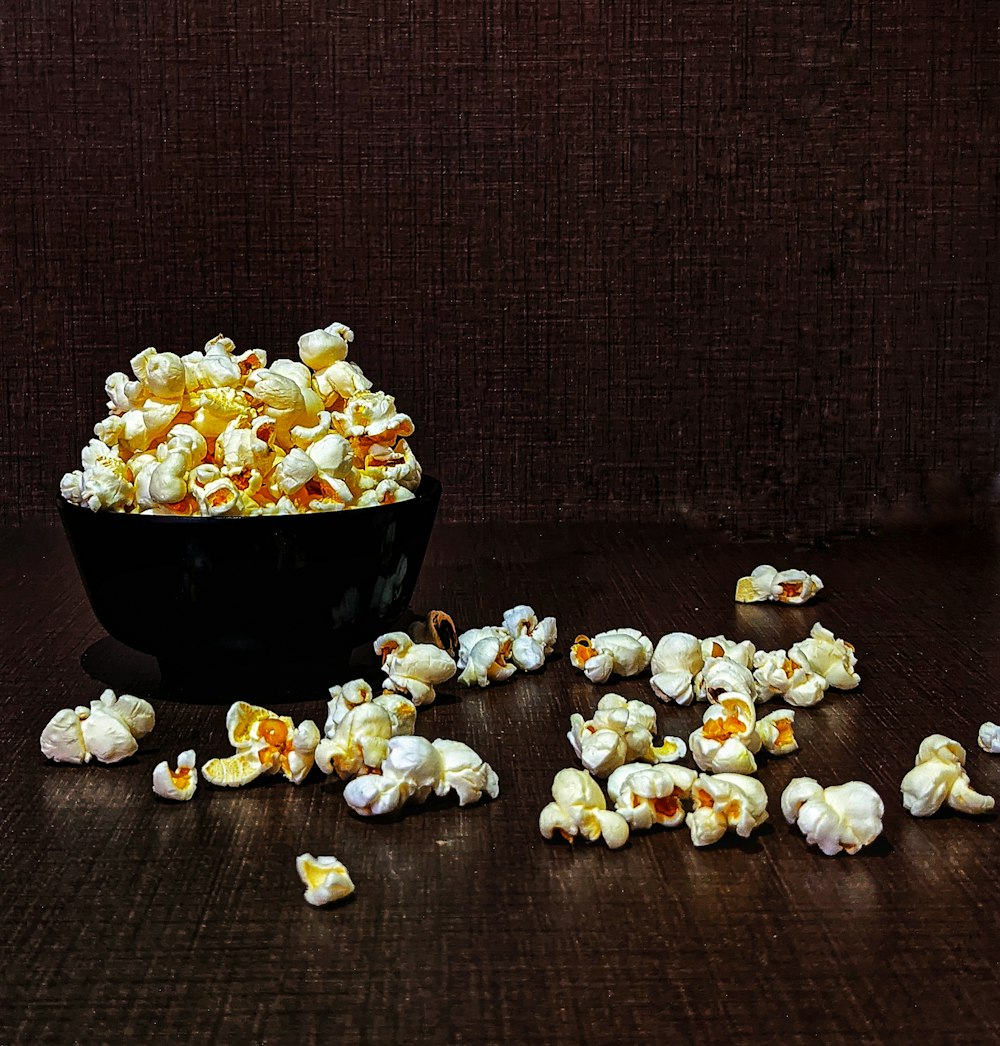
[[725, 262], [127, 919]]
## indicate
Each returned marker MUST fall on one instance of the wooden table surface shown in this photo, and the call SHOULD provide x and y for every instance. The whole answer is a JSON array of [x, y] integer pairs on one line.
[[130, 919]]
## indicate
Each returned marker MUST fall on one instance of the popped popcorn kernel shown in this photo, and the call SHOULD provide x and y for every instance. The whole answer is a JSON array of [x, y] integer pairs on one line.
[[938, 777], [414, 669], [624, 652], [325, 878], [989, 738], [840, 817], [265, 743], [785, 586], [620, 732], [578, 808], [180, 784], [108, 731], [724, 802], [651, 795]]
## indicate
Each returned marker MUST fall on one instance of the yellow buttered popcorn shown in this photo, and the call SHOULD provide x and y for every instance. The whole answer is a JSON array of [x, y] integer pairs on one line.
[[287, 436], [179, 784], [265, 743]]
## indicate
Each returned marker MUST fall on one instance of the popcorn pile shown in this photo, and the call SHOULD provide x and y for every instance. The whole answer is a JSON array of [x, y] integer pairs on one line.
[[221, 433]]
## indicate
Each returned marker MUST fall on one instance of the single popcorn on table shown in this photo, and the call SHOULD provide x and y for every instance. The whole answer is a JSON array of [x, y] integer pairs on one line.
[[938, 777], [620, 732], [724, 802], [722, 676], [777, 732], [413, 669], [325, 878], [284, 437], [484, 656], [623, 651], [533, 639], [108, 731], [719, 646], [265, 743], [578, 808], [651, 795], [989, 738], [784, 586], [840, 817], [413, 768], [831, 658], [675, 662], [727, 740], [179, 784], [358, 744], [777, 673]]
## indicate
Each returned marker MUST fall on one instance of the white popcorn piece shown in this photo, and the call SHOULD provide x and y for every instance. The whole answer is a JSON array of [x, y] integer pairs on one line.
[[388, 492], [825, 655], [179, 784], [578, 808], [785, 586], [413, 768], [651, 795], [723, 802], [777, 732], [989, 738], [319, 349], [396, 463], [107, 731], [719, 646], [939, 776], [623, 651], [840, 817], [162, 375], [135, 713], [620, 732], [325, 879], [484, 656], [722, 676], [343, 699], [676, 660], [265, 743], [106, 737], [373, 417], [358, 744], [727, 740], [778, 673], [292, 473], [533, 640], [62, 739], [414, 669]]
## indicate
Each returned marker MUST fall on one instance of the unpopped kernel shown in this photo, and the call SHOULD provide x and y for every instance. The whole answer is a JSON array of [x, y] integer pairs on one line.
[[287, 438]]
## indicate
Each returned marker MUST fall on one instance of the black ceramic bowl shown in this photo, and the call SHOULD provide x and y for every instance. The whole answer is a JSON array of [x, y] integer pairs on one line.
[[252, 599]]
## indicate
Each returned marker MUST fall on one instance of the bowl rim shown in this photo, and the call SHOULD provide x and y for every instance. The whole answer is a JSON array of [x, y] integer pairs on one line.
[[429, 488]]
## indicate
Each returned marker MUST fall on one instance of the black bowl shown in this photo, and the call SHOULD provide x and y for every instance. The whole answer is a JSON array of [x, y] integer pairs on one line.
[[252, 600]]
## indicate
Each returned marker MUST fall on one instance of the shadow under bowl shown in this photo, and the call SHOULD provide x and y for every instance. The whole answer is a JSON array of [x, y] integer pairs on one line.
[[252, 601]]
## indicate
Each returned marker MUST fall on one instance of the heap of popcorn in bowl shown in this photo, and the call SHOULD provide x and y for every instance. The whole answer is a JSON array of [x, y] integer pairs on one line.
[[222, 433]]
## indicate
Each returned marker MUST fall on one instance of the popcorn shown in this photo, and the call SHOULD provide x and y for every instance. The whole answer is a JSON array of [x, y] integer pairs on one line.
[[786, 586], [483, 656], [413, 768], [722, 676], [989, 738], [578, 808], [625, 651], [358, 728], [180, 784], [325, 878], [778, 673], [646, 795], [439, 630], [719, 646], [412, 668], [723, 802], [533, 640], [825, 655], [286, 438], [777, 732], [676, 660], [727, 739], [108, 731], [620, 732], [939, 776], [841, 817], [265, 743]]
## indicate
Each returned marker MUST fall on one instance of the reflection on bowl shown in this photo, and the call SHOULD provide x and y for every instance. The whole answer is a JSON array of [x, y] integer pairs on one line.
[[247, 600]]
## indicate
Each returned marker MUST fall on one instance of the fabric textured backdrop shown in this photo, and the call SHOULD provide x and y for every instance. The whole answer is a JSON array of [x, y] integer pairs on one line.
[[726, 261]]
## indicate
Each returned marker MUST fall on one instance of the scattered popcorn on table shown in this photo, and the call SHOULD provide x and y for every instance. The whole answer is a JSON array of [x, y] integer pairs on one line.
[[825, 655], [108, 731], [413, 768], [216, 433], [989, 738], [841, 817], [778, 674], [266, 743], [620, 732], [646, 795], [727, 739], [723, 802], [939, 777], [578, 807], [438, 629], [414, 669], [484, 656], [180, 784], [325, 879], [675, 662], [785, 586], [624, 652]]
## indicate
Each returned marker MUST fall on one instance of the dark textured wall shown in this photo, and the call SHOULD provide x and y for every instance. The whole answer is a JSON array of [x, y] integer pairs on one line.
[[729, 261]]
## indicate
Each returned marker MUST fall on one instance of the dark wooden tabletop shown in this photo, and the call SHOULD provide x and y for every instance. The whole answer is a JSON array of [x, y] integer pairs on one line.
[[129, 919]]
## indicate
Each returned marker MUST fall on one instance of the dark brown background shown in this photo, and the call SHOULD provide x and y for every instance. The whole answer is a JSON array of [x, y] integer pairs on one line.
[[732, 262]]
